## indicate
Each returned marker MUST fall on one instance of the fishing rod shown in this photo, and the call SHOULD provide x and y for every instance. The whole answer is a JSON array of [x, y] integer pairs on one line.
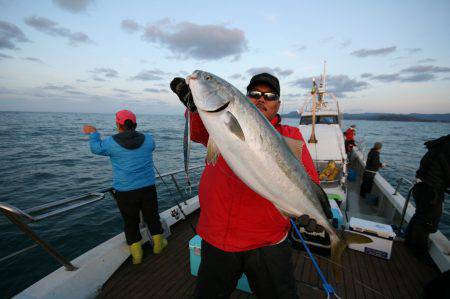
[[349, 272], [327, 287], [176, 201]]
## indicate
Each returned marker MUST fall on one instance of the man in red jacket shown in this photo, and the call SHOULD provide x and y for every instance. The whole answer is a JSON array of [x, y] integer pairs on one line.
[[243, 232], [350, 139]]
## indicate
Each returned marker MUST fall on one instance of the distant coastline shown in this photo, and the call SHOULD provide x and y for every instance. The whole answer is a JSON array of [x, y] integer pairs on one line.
[[412, 117]]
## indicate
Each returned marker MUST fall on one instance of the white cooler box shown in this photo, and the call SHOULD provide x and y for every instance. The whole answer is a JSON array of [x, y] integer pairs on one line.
[[382, 237]]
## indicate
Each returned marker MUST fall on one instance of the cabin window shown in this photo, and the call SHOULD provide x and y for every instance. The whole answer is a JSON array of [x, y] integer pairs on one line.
[[320, 119]]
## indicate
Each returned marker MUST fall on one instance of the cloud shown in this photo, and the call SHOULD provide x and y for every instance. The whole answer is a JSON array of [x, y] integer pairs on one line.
[[5, 90], [156, 90], [274, 71], [293, 52], [386, 77], [49, 27], [204, 42], [105, 72], [326, 39], [426, 69], [183, 73], [33, 59], [413, 50], [10, 34], [121, 90], [149, 75], [374, 52], [293, 95], [66, 89], [235, 76], [426, 60], [130, 26], [338, 84], [57, 87], [74, 6], [76, 92], [418, 73], [345, 43], [300, 47], [4, 56], [366, 75], [419, 78]]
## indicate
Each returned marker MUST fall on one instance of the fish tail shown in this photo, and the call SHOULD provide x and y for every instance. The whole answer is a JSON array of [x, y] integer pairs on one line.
[[338, 247]]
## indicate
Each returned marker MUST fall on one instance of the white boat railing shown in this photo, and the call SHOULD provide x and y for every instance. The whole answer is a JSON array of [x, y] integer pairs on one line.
[[19, 217]]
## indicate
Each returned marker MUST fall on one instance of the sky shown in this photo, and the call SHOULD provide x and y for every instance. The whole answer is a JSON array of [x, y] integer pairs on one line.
[[101, 56]]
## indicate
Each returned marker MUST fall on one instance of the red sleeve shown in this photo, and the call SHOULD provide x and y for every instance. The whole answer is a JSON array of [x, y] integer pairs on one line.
[[307, 161], [198, 130]]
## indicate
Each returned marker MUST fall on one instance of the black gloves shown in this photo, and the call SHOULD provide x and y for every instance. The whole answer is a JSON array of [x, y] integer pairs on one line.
[[309, 224], [181, 89]]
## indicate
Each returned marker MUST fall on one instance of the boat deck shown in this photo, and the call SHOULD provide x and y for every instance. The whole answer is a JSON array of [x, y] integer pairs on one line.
[[168, 275]]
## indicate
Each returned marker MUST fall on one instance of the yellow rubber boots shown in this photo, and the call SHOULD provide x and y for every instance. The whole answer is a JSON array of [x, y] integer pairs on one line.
[[159, 243], [136, 252]]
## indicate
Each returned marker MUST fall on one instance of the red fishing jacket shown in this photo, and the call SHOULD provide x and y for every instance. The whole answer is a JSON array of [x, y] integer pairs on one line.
[[233, 217], [349, 134]]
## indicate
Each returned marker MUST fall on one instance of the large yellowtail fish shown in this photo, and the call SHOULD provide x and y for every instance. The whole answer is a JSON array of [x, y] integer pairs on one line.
[[263, 159]]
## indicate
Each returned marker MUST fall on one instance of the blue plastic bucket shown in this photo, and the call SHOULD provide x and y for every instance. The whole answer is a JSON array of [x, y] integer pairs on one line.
[[351, 175]]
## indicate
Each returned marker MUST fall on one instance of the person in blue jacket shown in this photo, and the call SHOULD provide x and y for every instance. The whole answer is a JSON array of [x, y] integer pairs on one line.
[[131, 155]]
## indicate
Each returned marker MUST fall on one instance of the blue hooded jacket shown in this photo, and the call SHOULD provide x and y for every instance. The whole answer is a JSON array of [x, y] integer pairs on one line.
[[131, 155]]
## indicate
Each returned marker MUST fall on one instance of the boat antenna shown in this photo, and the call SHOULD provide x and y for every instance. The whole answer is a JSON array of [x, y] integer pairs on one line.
[[313, 139]]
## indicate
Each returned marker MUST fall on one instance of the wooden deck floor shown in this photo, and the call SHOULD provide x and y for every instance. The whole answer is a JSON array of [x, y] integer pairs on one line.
[[168, 275]]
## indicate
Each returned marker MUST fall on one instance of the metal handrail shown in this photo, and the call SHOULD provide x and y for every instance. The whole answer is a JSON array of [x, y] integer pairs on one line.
[[15, 215], [399, 182], [408, 198], [65, 201], [405, 207], [5, 207]]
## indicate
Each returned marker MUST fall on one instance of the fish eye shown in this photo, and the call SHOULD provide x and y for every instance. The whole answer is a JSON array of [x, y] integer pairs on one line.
[[207, 78]]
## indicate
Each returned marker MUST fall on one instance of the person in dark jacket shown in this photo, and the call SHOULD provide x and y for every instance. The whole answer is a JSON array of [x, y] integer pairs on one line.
[[131, 155], [433, 180], [373, 164]]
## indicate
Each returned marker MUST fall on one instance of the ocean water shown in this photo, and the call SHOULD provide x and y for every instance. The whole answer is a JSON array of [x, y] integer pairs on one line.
[[45, 157]]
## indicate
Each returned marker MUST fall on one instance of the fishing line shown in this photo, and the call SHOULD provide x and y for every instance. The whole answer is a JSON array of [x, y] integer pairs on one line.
[[176, 201], [187, 148], [328, 288], [348, 271]]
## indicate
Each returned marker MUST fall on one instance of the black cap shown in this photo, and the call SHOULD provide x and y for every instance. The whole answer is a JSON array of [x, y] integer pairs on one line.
[[267, 79]]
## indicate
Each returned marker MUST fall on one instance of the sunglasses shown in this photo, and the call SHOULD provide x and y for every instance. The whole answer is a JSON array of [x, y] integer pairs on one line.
[[268, 96]]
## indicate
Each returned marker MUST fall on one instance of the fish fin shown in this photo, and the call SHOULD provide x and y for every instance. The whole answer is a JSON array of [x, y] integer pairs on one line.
[[212, 152], [234, 126], [295, 146], [339, 246]]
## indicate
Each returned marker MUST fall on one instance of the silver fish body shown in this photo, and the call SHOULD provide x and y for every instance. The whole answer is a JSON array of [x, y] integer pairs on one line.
[[259, 156]]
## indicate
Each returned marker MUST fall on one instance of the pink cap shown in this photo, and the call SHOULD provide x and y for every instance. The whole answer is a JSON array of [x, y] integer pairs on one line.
[[123, 115]]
